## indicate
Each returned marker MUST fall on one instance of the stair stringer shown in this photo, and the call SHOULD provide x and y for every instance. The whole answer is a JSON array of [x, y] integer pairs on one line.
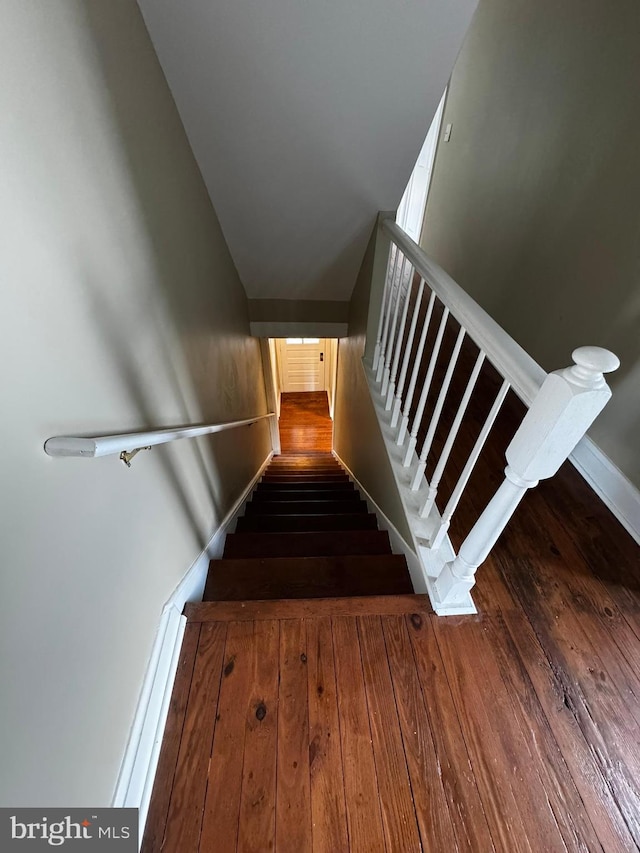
[[399, 545], [430, 561]]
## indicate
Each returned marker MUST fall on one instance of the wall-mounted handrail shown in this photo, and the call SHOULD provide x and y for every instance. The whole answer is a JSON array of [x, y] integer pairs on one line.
[[523, 372], [106, 445]]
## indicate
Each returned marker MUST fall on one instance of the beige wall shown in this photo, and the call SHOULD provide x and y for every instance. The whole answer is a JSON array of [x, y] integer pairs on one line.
[[121, 310], [298, 311], [535, 202], [356, 431]]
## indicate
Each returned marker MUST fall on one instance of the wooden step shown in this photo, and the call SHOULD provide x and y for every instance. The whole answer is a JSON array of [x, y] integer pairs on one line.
[[308, 465], [301, 457], [320, 507], [305, 495], [306, 577], [305, 478], [308, 608], [287, 454], [307, 544], [299, 523], [304, 469], [304, 485]]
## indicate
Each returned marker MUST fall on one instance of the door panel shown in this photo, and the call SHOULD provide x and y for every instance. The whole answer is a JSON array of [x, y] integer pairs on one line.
[[302, 363]]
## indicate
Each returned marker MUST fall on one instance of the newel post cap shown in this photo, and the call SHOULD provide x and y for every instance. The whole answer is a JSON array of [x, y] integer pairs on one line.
[[590, 364]]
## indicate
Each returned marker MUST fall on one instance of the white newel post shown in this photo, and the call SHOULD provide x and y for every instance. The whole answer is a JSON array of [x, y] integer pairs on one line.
[[564, 409]]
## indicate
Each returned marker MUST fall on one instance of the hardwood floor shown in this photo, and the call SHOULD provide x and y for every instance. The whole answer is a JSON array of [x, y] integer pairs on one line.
[[366, 724], [372, 725], [305, 424]]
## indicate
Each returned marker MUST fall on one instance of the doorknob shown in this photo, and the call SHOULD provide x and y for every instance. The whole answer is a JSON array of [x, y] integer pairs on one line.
[[321, 356]]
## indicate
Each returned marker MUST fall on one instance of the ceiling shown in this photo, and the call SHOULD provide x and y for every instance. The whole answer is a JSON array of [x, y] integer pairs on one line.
[[305, 117]]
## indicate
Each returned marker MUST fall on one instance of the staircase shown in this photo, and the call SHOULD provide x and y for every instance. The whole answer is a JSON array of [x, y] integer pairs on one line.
[[306, 533]]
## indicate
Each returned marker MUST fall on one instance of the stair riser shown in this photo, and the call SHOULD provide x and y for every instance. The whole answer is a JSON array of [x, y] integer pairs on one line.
[[304, 457], [303, 507], [297, 523], [300, 486], [320, 544], [304, 577], [308, 495], [302, 472], [305, 478]]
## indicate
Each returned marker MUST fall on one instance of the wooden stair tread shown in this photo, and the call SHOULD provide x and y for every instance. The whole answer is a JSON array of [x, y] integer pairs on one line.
[[295, 457], [301, 608], [300, 523], [306, 533], [316, 507], [299, 465], [306, 495], [304, 478], [300, 544], [299, 485], [304, 469], [306, 577]]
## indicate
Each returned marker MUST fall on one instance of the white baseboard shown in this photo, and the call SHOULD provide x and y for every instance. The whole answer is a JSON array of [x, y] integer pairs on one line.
[[138, 769], [399, 545], [610, 484]]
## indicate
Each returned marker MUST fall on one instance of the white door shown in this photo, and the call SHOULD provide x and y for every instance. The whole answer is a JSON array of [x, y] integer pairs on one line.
[[302, 363]]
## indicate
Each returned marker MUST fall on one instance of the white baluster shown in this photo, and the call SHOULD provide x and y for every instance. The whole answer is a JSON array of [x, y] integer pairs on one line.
[[413, 435], [392, 331], [404, 424], [434, 482], [566, 406], [407, 355], [387, 319], [396, 356], [385, 295], [459, 487], [435, 418]]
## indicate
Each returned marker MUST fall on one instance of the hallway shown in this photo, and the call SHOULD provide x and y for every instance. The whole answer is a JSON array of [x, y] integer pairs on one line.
[[305, 425], [369, 724]]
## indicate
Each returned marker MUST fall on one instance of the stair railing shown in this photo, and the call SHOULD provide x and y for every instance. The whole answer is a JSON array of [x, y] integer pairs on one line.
[[403, 377], [127, 445]]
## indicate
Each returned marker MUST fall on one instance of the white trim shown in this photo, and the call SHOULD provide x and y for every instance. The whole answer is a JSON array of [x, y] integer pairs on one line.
[[138, 768], [412, 207], [609, 483], [421, 580], [422, 529]]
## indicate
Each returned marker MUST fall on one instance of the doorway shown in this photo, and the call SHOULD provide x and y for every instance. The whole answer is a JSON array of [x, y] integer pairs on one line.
[[305, 374], [302, 364]]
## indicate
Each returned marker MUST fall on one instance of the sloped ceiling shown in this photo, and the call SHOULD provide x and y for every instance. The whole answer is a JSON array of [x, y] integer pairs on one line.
[[305, 117]]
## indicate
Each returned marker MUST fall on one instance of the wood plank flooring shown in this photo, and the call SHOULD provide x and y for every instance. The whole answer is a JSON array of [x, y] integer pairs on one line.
[[371, 724], [366, 724], [304, 423]]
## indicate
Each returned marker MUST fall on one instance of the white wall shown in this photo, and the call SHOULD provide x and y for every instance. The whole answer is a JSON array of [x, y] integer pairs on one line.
[[331, 356], [121, 310], [325, 107], [275, 373], [534, 205]]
